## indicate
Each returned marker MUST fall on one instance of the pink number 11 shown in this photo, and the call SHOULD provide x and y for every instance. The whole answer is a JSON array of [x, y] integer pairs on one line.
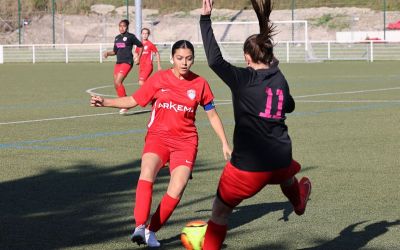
[[268, 105]]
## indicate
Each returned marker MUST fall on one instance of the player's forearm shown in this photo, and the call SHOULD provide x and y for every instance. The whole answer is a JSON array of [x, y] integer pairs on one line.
[[216, 124], [158, 60], [110, 53], [121, 102]]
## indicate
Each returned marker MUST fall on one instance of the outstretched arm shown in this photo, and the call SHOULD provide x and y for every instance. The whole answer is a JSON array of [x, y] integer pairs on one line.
[[108, 53], [158, 60], [126, 102], [227, 72], [216, 123]]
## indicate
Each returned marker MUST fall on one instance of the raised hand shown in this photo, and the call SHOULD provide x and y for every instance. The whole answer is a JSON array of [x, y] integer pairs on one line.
[[207, 7]]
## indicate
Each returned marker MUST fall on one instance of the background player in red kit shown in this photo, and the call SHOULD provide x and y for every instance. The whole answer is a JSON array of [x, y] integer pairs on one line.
[[171, 136], [146, 60], [123, 46], [262, 152]]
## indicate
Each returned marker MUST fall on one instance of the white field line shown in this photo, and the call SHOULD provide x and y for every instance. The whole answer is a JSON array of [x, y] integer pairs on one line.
[[347, 92], [223, 102], [349, 101]]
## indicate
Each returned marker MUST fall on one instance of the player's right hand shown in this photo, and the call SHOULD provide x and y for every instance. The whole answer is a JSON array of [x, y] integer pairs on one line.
[[105, 54], [96, 101]]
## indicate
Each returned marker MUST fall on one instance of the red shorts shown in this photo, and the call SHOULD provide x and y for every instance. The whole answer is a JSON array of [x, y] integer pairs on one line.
[[235, 185], [145, 71], [122, 68], [175, 152]]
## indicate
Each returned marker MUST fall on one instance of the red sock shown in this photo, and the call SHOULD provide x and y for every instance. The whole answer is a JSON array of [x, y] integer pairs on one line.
[[120, 90], [141, 211], [164, 211], [292, 192], [215, 236]]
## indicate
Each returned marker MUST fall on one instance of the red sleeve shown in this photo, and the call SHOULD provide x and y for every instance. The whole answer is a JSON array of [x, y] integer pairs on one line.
[[154, 48], [146, 92], [207, 95]]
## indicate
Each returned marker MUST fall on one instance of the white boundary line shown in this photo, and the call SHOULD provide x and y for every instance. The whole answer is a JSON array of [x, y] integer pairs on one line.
[[347, 92], [224, 102], [349, 101], [71, 117]]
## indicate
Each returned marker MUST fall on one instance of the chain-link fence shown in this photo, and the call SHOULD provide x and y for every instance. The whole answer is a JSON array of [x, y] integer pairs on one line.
[[96, 21]]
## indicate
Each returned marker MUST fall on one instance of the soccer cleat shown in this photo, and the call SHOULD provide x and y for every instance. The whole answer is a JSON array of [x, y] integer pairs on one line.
[[151, 239], [305, 191], [123, 111], [138, 235]]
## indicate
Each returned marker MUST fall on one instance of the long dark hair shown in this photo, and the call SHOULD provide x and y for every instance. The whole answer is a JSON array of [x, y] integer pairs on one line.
[[260, 46], [182, 44]]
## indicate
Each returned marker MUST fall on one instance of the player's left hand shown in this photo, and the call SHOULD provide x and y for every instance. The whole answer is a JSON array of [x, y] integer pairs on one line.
[[227, 152], [207, 7]]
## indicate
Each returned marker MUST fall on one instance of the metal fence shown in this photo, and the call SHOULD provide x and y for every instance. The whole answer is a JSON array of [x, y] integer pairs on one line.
[[286, 51]]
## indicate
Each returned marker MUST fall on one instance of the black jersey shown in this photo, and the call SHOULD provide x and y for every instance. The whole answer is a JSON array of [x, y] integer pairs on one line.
[[261, 98], [123, 46]]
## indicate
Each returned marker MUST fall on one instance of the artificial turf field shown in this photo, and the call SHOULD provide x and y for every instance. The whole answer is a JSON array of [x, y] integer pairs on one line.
[[69, 171]]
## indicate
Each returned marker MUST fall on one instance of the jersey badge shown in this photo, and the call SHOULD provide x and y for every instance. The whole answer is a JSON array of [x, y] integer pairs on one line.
[[191, 93], [125, 38]]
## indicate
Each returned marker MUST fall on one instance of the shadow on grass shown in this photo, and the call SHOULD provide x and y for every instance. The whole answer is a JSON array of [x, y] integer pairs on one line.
[[350, 239], [66, 208], [72, 208]]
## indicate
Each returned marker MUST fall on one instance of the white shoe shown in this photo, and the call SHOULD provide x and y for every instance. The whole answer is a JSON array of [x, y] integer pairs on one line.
[[123, 111], [138, 235], [151, 239]]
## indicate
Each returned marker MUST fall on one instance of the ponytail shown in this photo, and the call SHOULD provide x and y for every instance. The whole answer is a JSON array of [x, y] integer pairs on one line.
[[260, 46]]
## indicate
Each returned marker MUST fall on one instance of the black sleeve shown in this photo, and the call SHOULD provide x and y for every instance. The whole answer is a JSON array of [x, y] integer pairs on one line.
[[226, 71], [289, 103], [136, 41], [115, 49]]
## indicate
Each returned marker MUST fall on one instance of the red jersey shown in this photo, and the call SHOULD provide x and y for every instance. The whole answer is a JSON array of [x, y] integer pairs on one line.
[[175, 103], [147, 55]]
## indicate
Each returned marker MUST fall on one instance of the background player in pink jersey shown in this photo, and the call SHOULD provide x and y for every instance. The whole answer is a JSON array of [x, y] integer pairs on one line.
[[146, 60], [171, 137], [262, 150], [123, 46]]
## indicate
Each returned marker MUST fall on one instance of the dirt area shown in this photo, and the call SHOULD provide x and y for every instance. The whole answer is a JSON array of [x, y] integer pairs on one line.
[[102, 25]]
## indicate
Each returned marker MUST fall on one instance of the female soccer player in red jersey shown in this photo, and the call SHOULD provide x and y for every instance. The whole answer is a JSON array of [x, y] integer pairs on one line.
[[146, 60], [123, 46], [171, 136], [262, 152]]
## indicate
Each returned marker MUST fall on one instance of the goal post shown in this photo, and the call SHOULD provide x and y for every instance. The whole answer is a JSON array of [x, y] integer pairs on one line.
[[289, 36], [294, 31]]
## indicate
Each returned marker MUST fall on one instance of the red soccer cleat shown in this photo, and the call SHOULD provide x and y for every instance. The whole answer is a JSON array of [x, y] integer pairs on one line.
[[305, 191]]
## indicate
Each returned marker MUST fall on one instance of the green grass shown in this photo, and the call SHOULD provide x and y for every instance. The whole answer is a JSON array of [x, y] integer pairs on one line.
[[69, 184]]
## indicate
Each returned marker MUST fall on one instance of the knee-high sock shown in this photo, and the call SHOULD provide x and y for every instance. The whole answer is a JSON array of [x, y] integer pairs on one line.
[[164, 211], [215, 236], [144, 192], [120, 90], [292, 192]]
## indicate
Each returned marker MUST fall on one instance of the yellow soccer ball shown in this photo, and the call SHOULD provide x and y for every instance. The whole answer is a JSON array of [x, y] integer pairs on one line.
[[193, 233]]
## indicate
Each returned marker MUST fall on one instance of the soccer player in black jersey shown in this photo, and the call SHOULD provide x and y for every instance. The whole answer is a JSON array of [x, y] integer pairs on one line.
[[262, 152], [123, 45]]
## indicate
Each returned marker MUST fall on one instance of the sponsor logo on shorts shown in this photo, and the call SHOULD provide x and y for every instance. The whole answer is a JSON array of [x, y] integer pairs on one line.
[[189, 162]]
